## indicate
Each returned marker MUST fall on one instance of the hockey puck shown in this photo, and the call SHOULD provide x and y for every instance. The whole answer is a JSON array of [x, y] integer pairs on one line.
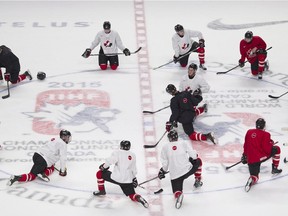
[[159, 191]]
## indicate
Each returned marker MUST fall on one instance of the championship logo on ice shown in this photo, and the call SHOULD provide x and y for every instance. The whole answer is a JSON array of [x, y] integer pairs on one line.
[[56, 109]]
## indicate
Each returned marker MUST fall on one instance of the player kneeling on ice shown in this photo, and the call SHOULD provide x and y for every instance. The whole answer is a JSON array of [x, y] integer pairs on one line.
[[10, 62], [124, 173], [109, 41], [259, 147], [182, 161], [182, 106], [45, 158]]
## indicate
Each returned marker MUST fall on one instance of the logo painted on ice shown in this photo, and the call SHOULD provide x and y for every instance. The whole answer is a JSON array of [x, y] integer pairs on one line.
[[56, 109]]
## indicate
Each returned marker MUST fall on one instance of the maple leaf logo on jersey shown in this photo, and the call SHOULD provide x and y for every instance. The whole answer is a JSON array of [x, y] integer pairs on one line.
[[107, 44], [185, 46], [56, 109]]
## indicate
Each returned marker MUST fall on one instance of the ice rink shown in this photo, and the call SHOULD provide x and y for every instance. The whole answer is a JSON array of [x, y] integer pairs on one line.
[[101, 108]]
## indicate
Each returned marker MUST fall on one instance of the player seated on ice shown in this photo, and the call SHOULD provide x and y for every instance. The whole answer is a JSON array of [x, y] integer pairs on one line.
[[182, 106], [10, 62], [45, 158], [109, 41], [254, 49], [182, 161], [259, 147], [124, 173]]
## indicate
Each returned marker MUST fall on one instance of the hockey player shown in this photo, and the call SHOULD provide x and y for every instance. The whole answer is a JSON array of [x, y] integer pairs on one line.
[[10, 62], [182, 106], [182, 161], [109, 41], [254, 49], [192, 82], [45, 158], [258, 147], [124, 173], [183, 43]]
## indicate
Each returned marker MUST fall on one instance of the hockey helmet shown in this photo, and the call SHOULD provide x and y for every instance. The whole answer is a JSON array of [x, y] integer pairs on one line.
[[249, 34], [172, 136], [194, 66], [65, 135], [260, 123], [178, 28], [171, 89], [125, 145], [41, 75], [106, 25]]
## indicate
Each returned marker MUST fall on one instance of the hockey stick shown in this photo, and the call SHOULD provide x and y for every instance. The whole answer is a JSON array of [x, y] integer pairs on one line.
[[188, 53], [153, 146], [8, 89], [150, 180], [113, 54], [224, 72], [152, 112], [229, 167], [276, 97]]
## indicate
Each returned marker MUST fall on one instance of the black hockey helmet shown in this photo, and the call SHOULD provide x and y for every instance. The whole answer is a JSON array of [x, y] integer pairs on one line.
[[106, 25], [194, 66], [260, 123], [125, 145], [41, 75], [172, 136], [65, 135], [171, 89], [249, 34], [178, 28]]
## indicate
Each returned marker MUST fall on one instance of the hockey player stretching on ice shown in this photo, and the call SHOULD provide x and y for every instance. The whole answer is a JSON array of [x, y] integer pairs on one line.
[[182, 105], [181, 161], [259, 147], [45, 158], [124, 173], [109, 41], [253, 48], [183, 43], [10, 62]]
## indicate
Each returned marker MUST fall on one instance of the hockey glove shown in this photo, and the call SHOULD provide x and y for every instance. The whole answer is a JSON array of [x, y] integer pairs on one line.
[[244, 159], [261, 51], [135, 182], [87, 53], [175, 59], [64, 173], [161, 174], [202, 43], [102, 168], [7, 76], [241, 64], [197, 92], [126, 52]]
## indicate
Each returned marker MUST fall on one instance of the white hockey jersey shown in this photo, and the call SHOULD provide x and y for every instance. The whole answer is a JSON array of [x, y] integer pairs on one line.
[[124, 166], [109, 42], [54, 151], [187, 84], [182, 45], [175, 158]]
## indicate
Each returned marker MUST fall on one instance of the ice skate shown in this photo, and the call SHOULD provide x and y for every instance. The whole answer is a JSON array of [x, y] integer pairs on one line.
[[275, 171], [202, 66], [249, 184], [142, 201], [205, 107], [13, 179], [43, 177], [99, 193], [210, 136], [179, 201], [259, 75], [198, 183], [266, 65], [28, 74]]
